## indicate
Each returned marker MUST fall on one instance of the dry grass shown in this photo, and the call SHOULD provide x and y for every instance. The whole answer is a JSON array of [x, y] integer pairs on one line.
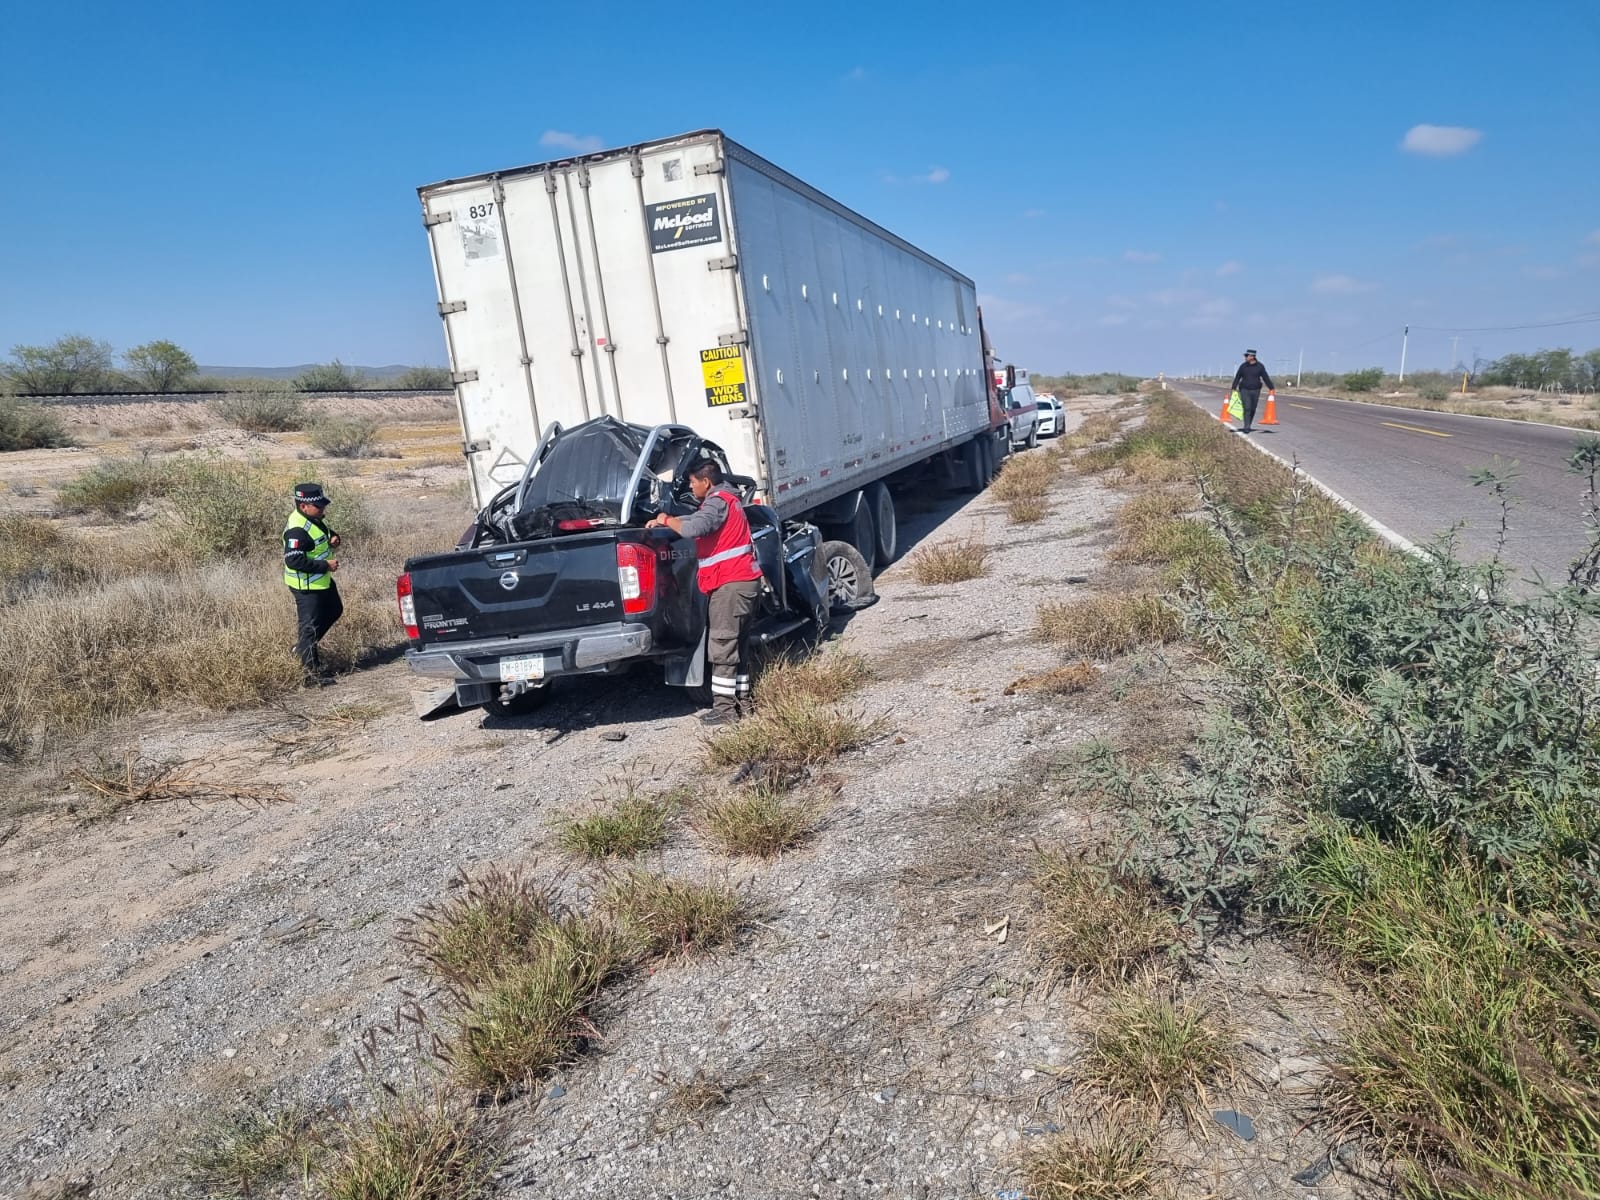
[[1094, 924], [1152, 507], [952, 561], [1160, 1051], [622, 829], [411, 1149], [1025, 475], [1102, 626], [758, 822], [666, 916], [1109, 1163], [1025, 510], [481, 928], [37, 553], [819, 678], [138, 782], [1058, 681], [532, 1014], [256, 1150], [791, 733], [1099, 427]]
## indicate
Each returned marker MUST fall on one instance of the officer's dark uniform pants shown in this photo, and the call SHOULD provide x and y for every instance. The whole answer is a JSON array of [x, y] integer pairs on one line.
[[732, 609], [1249, 397], [315, 611]]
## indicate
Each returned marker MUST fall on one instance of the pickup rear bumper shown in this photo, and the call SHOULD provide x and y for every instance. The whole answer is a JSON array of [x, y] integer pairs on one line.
[[474, 667]]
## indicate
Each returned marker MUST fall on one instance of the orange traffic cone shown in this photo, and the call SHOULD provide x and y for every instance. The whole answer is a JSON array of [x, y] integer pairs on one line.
[[1223, 415], [1271, 417]]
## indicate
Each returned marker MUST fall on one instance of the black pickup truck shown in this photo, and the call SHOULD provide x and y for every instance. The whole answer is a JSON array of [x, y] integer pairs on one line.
[[558, 576]]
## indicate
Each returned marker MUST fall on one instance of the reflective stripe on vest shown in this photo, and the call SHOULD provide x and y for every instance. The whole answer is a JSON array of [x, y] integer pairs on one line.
[[728, 555], [320, 551]]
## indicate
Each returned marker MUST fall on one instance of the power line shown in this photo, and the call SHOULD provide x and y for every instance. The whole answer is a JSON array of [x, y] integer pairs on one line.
[[1580, 319]]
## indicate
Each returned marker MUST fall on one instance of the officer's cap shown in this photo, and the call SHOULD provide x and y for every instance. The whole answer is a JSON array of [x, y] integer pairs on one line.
[[310, 493]]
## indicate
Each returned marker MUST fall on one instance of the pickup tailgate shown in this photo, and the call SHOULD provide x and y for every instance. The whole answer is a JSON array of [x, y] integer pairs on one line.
[[516, 590]]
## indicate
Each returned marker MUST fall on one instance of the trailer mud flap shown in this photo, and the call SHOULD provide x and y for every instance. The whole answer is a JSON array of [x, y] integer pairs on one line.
[[690, 671], [431, 698]]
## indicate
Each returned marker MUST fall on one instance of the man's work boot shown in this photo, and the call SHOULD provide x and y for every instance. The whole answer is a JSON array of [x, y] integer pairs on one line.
[[720, 714]]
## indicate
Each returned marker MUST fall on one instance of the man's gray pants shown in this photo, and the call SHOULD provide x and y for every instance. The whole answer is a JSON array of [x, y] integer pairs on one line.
[[1249, 398], [731, 611]]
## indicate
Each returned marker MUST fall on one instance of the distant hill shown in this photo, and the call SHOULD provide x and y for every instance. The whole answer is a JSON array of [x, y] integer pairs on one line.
[[388, 372]]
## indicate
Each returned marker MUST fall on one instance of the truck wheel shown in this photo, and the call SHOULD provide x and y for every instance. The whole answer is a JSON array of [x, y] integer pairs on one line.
[[843, 573], [1033, 437], [883, 522], [977, 461], [863, 534]]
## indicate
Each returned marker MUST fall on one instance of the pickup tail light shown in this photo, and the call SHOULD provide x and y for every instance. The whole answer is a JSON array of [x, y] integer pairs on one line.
[[636, 576], [408, 606], [578, 523]]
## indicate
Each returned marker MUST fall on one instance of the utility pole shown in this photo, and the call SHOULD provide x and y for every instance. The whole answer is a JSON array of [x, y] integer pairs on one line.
[[1301, 369], [1404, 338]]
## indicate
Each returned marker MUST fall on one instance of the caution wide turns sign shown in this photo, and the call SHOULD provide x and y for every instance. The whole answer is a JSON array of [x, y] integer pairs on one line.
[[723, 371]]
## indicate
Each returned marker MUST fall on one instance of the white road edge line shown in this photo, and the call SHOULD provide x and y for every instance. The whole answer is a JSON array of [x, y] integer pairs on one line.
[[1398, 541], [1379, 404]]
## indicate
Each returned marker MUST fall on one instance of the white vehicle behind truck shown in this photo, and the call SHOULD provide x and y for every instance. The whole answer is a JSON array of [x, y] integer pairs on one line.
[[607, 317]]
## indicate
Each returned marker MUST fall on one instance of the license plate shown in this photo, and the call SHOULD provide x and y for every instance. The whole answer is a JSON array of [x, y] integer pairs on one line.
[[523, 666]]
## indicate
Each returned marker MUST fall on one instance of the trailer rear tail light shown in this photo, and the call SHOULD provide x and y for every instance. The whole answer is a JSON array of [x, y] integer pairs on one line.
[[578, 523], [636, 576], [408, 606]]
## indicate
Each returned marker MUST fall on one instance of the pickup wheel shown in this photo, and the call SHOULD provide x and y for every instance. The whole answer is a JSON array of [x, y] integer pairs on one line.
[[883, 522], [842, 573], [1033, 437]]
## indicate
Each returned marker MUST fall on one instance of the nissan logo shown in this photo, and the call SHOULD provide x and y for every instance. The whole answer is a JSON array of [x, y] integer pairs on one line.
[[509, 581]]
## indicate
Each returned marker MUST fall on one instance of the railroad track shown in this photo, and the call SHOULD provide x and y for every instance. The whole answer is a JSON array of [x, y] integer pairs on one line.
[[109, 398]]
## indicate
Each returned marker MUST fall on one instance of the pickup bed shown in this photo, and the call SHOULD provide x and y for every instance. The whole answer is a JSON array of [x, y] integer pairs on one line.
[[591, 590]]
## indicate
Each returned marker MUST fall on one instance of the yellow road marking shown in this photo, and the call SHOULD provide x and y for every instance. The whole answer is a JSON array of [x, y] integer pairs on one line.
[[1415, 429], [1307, 407]]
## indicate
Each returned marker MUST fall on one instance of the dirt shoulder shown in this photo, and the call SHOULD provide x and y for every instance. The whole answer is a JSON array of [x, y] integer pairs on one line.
[[883, 1027]]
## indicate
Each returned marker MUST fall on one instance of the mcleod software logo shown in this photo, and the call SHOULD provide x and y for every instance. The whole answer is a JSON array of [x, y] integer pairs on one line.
[[677, 224]]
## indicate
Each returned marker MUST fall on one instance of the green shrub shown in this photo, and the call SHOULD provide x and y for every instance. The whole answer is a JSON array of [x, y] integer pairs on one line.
[[345, 437], [224, 509], [327, 377], [423, 379], [262, 412], [25, 426], [1363, 381], [117, 487]]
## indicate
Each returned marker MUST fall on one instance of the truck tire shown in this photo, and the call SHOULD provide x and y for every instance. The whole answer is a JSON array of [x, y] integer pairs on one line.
[[863, 533], [976, 456], [843, 572], [1033, 437], [884, 526]]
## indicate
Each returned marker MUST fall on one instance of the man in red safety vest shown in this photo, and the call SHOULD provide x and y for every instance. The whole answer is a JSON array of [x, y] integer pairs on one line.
[[730, 577]]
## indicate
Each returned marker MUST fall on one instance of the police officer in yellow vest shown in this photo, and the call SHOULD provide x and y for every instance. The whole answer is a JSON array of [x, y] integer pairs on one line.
[[308, 567]]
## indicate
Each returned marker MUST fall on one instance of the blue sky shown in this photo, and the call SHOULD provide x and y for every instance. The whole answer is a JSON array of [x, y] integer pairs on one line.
[[1135, 186]]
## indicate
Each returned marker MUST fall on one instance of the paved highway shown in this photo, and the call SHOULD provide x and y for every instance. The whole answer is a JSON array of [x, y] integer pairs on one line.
[[1412, 470]]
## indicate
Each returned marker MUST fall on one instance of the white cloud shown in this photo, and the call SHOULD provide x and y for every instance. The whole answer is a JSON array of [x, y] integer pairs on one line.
[[1209, 313], [1231, 267], [855, 75], [935, 175], [1033, 213], [1141, 256], [556, 139], [1340, 285], [1440, 141]]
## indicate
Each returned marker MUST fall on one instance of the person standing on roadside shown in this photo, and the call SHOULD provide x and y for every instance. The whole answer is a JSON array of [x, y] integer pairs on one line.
[[308, 567], [731, 579], [1248, 381]]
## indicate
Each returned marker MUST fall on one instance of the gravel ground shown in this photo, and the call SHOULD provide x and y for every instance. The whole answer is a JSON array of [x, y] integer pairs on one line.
[[868, 1036]]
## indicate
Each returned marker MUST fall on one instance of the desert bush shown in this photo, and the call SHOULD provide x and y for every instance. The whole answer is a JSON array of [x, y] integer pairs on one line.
[[1158, 1050], [117, 487], [1102, 626], [27, 426], [422, 379], [1058, 681], [1366, 380], [1025, 510], [622, 828], [252, 1150], [1025, 475], [1095, 923], [410, 1148], [1110, 1163], [665, 916], [327, 377], [822, 678], [38, 554], [220, 508], [261, 412], [790, 733], [345, 437], [954, 560]]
